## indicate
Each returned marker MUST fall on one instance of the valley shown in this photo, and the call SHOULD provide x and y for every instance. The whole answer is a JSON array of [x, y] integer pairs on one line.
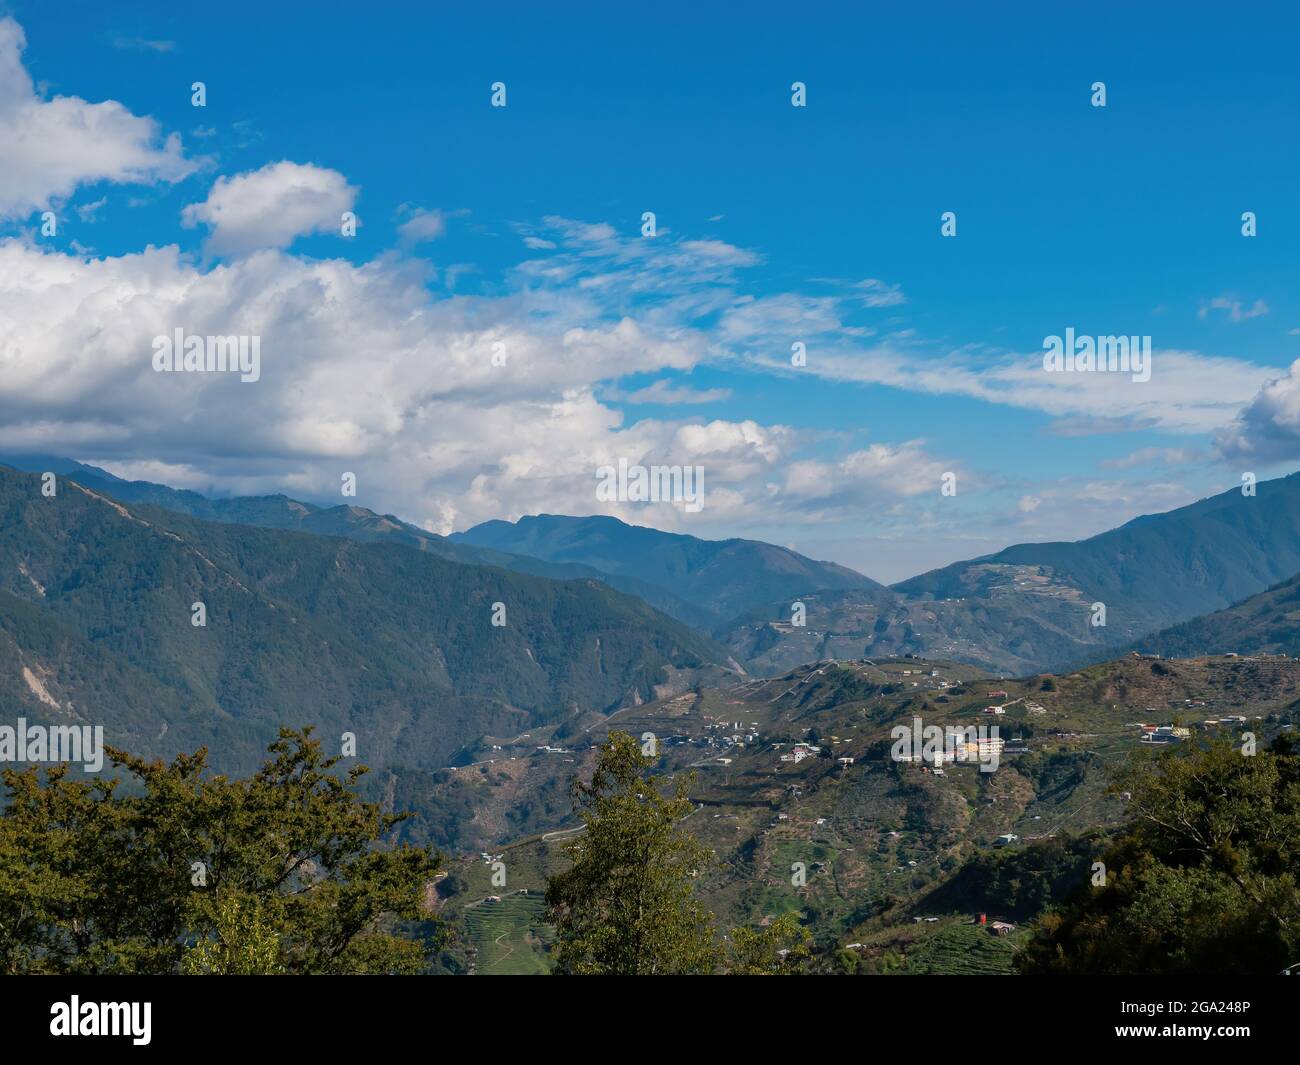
[[899, 858], [359, 624]]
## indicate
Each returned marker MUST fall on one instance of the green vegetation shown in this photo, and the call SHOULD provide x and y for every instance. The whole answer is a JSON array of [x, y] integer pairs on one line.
[[961, 950], [1018, 883], [627, 906], [391, 644], [511, 935], [1268, 622], [183, 871], [1203, 879]]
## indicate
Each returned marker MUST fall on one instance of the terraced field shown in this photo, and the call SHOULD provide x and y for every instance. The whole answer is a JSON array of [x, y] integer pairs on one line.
[[511, 936], [962, 950]]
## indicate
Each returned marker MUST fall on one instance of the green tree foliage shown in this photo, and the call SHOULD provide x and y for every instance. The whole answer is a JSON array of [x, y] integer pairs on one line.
[[1018, 883], [781, 948], [1203, 879], [627, 905], [243, 943], [178, 870]]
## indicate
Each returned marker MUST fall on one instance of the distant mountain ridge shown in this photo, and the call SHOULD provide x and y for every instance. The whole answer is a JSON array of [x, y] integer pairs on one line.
[[726, 577], [1025, 609], [1152, 572]]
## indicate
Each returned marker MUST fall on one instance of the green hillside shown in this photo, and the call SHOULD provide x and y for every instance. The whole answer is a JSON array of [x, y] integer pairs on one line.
[[896, 858], [349, 522], [1267, 623], [394, 645]]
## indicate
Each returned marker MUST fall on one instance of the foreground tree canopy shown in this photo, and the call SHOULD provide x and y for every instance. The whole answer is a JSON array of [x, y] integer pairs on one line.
[[1202, 880], [627, 905], [163, 869]]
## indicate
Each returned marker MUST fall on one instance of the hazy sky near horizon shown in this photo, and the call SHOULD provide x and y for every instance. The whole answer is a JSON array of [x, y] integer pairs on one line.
[[499, 328]]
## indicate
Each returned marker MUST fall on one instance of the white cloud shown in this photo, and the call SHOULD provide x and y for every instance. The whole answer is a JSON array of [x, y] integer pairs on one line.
[[362, 370], [901, 471], [87, 211], [1187, 392], [1268, 428], [271, 207], [1150, 456], [142, 44], [877, 293], [52, 147], [768, 320], [423, 226], [1236, 310]]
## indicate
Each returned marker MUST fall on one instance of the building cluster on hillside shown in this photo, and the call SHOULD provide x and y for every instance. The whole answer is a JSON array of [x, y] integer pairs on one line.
[[799, 752], [980, 749], [1175, 733], [724, 734], [1164, 733]]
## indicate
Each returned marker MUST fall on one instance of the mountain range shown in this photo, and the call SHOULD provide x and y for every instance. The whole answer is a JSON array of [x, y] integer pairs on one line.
[[416, 656], [1028, 608], [363, 624]]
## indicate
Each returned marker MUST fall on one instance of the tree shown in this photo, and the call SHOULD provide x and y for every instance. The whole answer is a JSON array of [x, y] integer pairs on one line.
[[183, 871], [627, 905], [1202, 879], [780, 948]]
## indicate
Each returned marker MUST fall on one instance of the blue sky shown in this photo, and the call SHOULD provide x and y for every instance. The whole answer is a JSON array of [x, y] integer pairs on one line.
[[775, 223]]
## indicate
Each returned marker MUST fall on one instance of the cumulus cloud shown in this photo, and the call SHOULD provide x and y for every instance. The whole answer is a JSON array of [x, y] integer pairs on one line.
[[1268, 428], [271, 207], [362, 370], [52, 147], [867, 474]]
